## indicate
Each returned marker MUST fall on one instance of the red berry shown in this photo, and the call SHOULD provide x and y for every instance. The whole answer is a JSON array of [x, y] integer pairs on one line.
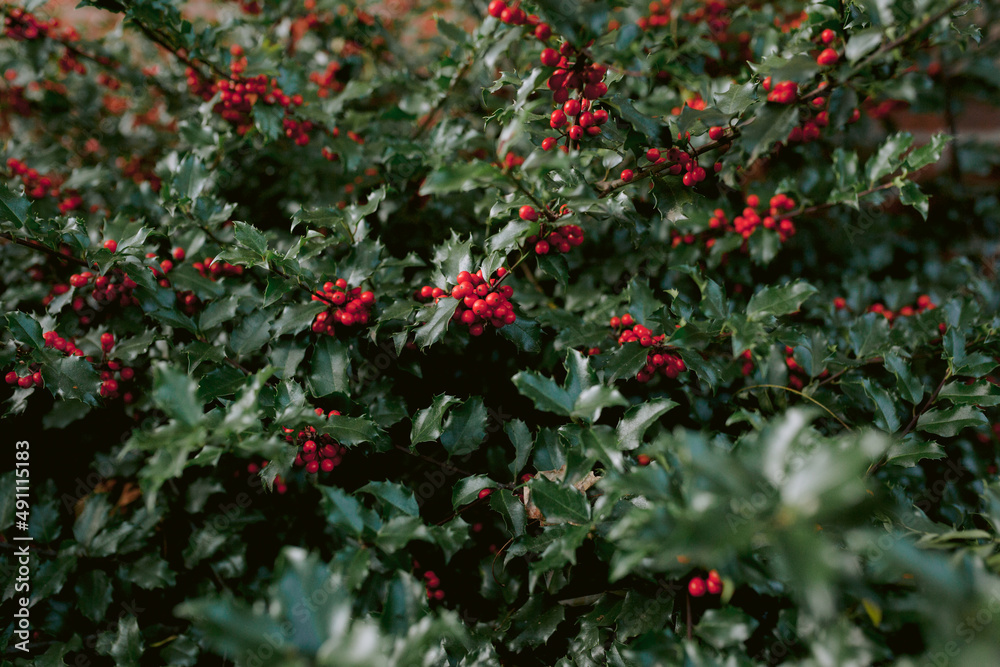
[[25, 382], [11, 377], [643, 459], [542, 248], [485, 493], [550, 57], [627, 175], [107, 341], [548, 143], [696, 587], [528, 213], [653, 154], [572, 107], [827, 57], [496, 8], [543, 31], [715, 133], [111, 245], [827, 36]]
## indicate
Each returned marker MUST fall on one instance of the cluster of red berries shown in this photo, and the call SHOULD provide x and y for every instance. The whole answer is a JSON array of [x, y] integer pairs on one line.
[[38, 185], [659, 16], [317, 451], [25, 26], [809, 130], [238, 95], [513, 15], [139, 170], [560, 240], [750, 219], [659, 357], [107, 289], [575, 85], [297, 130], [482, 302], [279, 483], [12, 99], [923, 304], [32, 379], [214, 269], [65, 345], [783, 92], [693, 173], [114, 379], [251, 7], [747, 367], [327, 81], [796, 375], [511, 160], [431, 581], [712, 584], [349, 306]]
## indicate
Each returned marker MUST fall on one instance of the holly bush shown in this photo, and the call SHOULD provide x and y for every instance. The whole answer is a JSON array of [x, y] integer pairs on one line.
[[560, 333]]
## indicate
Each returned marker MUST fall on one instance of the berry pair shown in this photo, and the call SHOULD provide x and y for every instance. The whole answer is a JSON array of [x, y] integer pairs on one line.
[[712, 584]]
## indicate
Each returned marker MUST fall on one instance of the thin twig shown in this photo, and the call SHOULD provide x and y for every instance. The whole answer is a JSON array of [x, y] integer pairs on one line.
[[873, 468], [34, 245], [798, 393]]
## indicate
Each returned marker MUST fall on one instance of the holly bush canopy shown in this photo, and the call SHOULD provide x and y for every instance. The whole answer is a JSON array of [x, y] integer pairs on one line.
[[561, 333]]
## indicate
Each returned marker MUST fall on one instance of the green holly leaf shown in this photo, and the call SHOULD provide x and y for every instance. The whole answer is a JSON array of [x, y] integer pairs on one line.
[[523, 443], [435, 321], [72, 378], [125, 646], [13, 208], [559, 503], [781, 300], [983, 394], [949, 422], [427, 422], [330, 367], [638, 418], [511, 509], [465, 429], [467, 490], [25, 328]]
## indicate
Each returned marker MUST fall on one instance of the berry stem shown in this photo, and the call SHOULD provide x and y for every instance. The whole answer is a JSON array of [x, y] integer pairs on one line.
[[552, 217]]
